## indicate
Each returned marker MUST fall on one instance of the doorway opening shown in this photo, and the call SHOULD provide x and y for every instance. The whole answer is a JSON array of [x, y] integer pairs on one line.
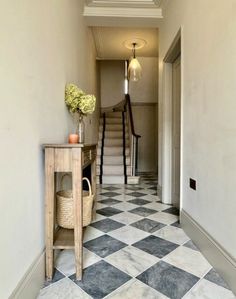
[[172, 124]]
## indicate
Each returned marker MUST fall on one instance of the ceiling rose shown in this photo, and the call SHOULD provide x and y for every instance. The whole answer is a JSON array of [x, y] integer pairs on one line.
[[139, 43]]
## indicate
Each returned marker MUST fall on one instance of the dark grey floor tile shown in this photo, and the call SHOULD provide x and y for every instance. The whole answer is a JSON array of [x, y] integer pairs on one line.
[[110, 194], [169, 280], [176, 224], [110, 188], [57, 275], [155, 246], [109, 211], [107, 225], [101, 279], [139, 201], [148, 225], [153, 183], [110, 201], [141, 211], [191, 245], [172, 210], [133, 188], [214, 277], [153, 188], [104, 245], [136, 194]]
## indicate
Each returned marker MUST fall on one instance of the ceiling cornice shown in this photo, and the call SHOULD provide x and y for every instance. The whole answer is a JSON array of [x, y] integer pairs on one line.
[[125, 3], [90, 11]]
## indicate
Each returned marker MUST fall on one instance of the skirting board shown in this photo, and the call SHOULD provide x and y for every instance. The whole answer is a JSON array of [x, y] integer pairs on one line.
[[33, 280], [215, 254], [159, 191]]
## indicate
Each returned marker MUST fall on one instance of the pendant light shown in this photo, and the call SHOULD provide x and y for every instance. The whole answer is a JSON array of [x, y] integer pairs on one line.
[[135, 69]]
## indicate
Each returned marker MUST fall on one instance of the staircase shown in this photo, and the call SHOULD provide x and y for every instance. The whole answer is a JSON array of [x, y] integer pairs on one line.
[[117, 146], [113, 162]]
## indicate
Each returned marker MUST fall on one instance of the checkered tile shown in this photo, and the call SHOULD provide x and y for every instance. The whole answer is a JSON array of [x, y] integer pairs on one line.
[[135, 248]]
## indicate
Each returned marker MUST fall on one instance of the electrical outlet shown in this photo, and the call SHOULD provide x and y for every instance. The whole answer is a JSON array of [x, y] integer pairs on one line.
[[192, 184]]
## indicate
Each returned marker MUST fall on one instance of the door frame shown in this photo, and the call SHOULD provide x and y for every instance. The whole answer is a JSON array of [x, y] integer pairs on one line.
[[173, 52]]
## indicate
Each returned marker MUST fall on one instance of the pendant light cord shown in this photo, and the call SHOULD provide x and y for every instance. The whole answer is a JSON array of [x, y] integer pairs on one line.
[[134, 45]]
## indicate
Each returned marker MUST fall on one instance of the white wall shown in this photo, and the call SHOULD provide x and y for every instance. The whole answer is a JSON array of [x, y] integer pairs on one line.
[[146, 89], [144, 96], [44, 44], [208, 111], [145, 126], [112, 74]]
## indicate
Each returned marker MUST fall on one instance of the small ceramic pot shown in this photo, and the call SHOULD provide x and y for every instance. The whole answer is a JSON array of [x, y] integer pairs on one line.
[[73, 138]]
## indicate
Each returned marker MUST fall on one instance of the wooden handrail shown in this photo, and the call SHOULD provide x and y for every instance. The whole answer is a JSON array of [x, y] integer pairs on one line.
[[117, 107], [128, 104]]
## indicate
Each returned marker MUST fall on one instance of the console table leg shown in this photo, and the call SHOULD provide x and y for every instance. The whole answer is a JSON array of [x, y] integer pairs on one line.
[[49, 209], [78, 208]]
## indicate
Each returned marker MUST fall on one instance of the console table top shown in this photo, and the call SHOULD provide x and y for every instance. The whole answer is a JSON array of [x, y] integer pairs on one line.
[[68, 145]]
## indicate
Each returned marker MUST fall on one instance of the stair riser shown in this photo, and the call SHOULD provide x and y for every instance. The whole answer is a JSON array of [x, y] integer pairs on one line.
[[113, 142], [113, 151], [114, 115], [113, 160], [111, 179], [112, 128], [112, 121], [114, 170], [112, 134]]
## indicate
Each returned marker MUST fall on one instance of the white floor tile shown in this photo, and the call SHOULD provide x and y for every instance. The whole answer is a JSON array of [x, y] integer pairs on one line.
[[125, 206], [128, 234], [91, 233], [164, 218], [189, 260], [98, 217], [208, 290], [173, 234], [63, 289], [89, 258], [134, 289], [147, 191], [100, 205], [65, 262], [157, 206], [132, 260], [123, 197], [126, 217], [150, 197]]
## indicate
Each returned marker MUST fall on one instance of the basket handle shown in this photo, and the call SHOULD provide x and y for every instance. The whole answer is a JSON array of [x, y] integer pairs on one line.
[[62, 179], [89, 185]]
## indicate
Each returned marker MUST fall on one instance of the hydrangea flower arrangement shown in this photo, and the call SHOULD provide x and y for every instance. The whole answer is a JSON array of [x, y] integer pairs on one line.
[[77, 101]]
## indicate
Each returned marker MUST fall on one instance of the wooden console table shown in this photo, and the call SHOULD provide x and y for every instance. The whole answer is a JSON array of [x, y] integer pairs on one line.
[[66, 158]]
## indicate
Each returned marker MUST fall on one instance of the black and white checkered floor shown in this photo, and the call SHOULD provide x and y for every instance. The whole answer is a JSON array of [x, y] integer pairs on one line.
[[135, 248]]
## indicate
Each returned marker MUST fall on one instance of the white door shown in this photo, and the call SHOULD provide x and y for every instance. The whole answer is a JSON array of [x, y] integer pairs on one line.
[[176, 118]]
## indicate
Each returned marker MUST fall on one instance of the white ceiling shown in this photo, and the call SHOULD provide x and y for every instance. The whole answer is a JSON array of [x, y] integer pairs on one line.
[[109, 42]]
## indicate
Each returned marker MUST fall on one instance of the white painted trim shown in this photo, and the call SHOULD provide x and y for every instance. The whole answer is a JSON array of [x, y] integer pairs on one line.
[[166, 175], [181, 118], [32, 281], [123, 12], [167, 133], [125, 3], [221, 260]]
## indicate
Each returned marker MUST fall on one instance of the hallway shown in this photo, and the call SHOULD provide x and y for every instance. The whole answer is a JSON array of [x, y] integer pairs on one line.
[[135, 248]]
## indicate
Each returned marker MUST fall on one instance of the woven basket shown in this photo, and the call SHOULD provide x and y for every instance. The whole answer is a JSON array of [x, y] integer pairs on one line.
[[65, 207]]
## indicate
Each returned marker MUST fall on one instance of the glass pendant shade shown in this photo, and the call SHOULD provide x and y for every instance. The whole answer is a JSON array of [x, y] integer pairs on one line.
[[134, 70]]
